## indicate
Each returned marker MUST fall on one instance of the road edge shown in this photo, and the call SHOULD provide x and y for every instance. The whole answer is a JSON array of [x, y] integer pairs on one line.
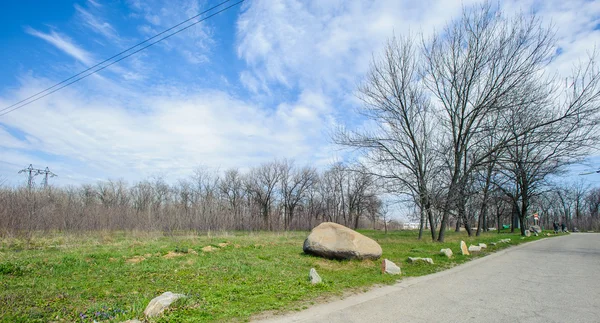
[[380, 291]]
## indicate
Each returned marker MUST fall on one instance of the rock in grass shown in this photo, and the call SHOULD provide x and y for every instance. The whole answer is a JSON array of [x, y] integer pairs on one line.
[[493, 243], [483, 246], [463, 248], [389, 267], [314, 276], [473, 248], [535, 229], [419, 259], [447, 252], [335, 241], [132, 321], [158, 304], [527, 233]]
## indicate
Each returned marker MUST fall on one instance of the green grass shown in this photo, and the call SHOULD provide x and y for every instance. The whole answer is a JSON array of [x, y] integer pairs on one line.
[[112, 276]]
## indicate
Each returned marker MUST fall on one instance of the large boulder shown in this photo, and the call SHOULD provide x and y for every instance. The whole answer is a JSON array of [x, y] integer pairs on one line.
[[335, 241]]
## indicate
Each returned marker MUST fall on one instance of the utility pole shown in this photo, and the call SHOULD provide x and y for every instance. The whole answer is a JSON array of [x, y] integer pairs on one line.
[[47, 173], [31, 173]]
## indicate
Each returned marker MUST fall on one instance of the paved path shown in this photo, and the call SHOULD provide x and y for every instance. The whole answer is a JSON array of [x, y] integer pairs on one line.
[[550, 280]]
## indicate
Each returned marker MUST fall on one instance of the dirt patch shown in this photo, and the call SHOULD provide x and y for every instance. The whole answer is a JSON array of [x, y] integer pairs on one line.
[[209, 249], [135, 260], [173, 254]]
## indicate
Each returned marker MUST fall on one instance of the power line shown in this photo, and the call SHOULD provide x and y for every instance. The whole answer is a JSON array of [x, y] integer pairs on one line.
[[23, 102], [114, 56]]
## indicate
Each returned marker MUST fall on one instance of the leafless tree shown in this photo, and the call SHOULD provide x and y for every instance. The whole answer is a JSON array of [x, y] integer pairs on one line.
[[261, 184], [398, 147], [295, 184]]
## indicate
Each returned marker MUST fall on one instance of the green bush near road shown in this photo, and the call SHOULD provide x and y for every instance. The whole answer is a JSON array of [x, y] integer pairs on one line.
[[112, 276]]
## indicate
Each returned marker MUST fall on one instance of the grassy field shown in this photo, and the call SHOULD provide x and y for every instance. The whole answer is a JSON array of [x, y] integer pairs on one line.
[[112, 276]]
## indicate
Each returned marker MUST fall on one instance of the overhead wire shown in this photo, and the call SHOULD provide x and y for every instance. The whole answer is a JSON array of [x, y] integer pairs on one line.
[[76, 78]]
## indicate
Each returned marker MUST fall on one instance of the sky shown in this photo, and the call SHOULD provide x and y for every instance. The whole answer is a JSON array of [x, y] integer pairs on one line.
[[263, 80]]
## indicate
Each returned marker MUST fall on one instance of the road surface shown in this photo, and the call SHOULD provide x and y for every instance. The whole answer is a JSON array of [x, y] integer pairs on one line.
[[550, 280]]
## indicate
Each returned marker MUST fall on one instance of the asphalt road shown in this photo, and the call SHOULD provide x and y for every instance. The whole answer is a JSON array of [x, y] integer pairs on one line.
[[550, 280]]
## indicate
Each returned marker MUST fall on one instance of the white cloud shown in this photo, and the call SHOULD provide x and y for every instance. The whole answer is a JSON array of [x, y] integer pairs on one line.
[[95, 24], [329, 44], [194, 44], [63, 43], [167, 133]]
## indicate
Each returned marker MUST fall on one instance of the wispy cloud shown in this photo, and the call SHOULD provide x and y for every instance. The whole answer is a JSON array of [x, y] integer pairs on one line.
[[64, 44], [94, 3], [95, 24]]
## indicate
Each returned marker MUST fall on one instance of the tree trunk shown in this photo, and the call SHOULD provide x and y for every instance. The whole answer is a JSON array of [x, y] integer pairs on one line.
[[421, 222], [431, 223]]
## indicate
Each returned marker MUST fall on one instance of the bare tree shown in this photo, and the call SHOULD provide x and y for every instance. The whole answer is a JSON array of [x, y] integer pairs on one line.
[[399, 146], [261, 184], [294, 186]]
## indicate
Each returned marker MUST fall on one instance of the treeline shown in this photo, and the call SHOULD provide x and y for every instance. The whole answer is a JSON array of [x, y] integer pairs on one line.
[[273, 196]]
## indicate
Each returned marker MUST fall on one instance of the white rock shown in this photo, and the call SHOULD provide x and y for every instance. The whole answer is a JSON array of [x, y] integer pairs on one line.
[[447, 252], [493, 243], [527, 233], [473, 248], [390, 267], [158, 304], [132, 321], [314, 276], [483, 245], [415, 259]]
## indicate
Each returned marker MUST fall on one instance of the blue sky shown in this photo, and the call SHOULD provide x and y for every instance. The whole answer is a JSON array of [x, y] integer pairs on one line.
[[267, 79]]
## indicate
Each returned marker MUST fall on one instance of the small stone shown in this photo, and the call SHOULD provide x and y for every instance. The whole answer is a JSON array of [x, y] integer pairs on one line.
[[417, 259], [463, 248], [473, 248], [132, 321], [158, 304], [314, 276], [447, 252], [548, 234], [535, 234], [535, 229], [527, 233], [483, 246], [389, 267], [493, 243]]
